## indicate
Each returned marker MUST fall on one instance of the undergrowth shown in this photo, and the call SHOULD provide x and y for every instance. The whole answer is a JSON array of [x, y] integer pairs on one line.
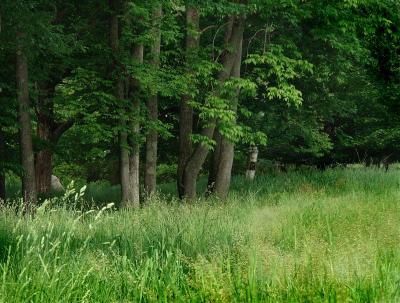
[[299, 237]]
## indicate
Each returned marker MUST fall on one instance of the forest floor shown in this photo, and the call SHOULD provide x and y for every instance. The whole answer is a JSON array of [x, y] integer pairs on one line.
[[313, 236]]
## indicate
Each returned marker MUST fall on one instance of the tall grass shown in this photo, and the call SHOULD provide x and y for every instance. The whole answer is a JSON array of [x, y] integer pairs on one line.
[[297, 237]]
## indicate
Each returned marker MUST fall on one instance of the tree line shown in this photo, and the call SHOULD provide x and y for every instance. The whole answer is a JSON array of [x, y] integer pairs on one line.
[[122, 89]]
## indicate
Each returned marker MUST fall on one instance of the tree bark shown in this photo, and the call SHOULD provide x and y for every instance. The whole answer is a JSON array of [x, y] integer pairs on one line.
[[186, 111], [120, 95], [2, 187], [134, 156], [124, 151], [227, 149], [27, 156], [2, 171], [212, 171], [49, 132], [199, 155], [150, 179], [44, 157]]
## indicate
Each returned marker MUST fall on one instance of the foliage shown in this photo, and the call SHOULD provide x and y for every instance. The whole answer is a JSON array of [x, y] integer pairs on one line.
[[319, 83]]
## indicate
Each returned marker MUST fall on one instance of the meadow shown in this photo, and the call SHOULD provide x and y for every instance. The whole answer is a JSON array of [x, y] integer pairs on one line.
[[305, 236]]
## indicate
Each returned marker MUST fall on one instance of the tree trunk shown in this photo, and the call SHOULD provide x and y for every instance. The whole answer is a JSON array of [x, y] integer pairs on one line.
[[44, 170], [196, 161], [124, 152], [252, 162], [186, 111], [215, 158], [43, 161], [227, 149], [150, 178], [49, 132], [27, 157], [120, 95], [134, 166], [212, 171], [134, 156], [2, 171], [2, 186]]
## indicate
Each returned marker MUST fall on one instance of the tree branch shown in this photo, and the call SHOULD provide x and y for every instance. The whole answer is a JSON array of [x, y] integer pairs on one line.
[[60, 129]]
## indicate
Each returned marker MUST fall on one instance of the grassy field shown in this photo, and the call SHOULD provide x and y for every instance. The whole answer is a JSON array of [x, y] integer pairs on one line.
[[297, 237]]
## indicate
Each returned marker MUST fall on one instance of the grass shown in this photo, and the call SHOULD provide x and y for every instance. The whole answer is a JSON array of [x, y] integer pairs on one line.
[[297, 237]]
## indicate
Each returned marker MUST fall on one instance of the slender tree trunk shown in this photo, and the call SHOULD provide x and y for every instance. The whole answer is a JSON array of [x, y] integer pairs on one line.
[[196, 161], [150, 179], [2, 172], [227, 149], [124, 152], [27, 157], [134, 169], [134, 156], [212, 171], [2, 187], [120, 94], [186, 111]]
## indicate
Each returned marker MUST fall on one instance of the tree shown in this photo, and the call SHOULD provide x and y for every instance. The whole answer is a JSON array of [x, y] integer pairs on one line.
[[199, 154], [306, 82], [134, 144], [2, 169], [226, 149], [186, 111], [120, 95], [152, 107], [27, 156], [60, 47], [49, 132], [2, 157]]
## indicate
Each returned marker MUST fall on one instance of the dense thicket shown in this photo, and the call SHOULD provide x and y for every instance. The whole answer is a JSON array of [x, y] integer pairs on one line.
[[131, 91]]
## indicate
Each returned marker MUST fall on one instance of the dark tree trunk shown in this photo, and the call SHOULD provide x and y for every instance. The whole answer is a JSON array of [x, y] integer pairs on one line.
[[27, 157], [44, 170], [124, 166], [119, 94], [2, 172], [124, 151], [49, 132], [199, 155], [186, 111], [150, 179], [44, 158], [212, 171], [2, 187]]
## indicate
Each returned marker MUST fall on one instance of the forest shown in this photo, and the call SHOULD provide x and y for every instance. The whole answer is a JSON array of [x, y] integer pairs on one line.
[[205, 151]]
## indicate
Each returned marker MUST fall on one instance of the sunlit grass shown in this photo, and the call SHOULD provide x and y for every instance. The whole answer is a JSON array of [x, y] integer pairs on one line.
[[297, 237]]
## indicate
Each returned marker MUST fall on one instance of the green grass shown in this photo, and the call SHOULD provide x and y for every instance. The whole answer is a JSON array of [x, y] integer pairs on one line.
[[297, 237]]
